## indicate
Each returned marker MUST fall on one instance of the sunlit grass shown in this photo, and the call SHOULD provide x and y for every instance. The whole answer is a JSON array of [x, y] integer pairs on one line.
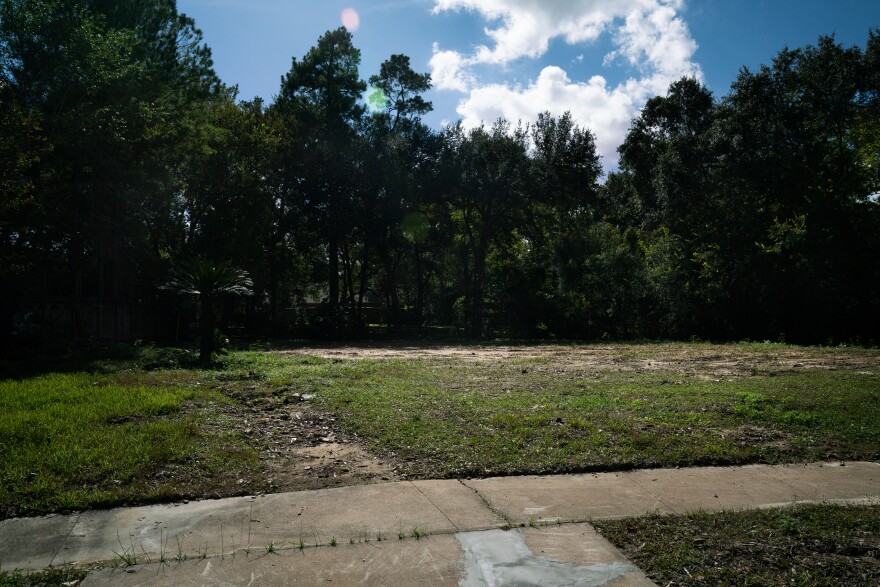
[[133, 430], [75, 440], [447, 417]]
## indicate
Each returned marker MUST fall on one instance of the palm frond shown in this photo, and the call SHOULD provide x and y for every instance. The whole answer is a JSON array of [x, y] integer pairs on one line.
[[209, 278]]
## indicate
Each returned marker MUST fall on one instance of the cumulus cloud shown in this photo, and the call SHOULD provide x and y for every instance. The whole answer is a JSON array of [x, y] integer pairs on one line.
[[648, 35], [448, 71], [607, 112]]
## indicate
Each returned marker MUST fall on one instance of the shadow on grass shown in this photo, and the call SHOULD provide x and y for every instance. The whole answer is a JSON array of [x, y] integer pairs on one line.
[[98, 358]]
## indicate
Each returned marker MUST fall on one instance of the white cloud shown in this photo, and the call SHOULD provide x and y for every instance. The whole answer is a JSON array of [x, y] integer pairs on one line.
[[607, 112], [527, 26], [648, 35], [448, 71]]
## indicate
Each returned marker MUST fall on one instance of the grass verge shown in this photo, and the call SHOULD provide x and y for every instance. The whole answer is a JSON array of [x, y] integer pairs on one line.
[[815, 545], [147, 426], [78, 440]]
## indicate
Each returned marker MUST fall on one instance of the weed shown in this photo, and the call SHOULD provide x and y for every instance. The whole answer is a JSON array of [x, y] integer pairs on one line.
[[785, 546], [48, 577], [271, 547], [532, 522], [333, 541], [163, 547], [418, 533], [126, 557], [180, 556]]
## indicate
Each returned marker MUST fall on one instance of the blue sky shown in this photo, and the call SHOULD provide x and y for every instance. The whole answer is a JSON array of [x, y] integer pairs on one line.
[[600, 59]]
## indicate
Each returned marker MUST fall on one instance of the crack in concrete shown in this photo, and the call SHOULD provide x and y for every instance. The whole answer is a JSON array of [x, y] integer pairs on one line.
[[435, 505], [495, 511], [651, 493], [66, 537]]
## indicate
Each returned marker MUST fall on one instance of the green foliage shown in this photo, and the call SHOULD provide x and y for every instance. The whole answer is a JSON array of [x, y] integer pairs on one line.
[[730, 217], [210, 281]]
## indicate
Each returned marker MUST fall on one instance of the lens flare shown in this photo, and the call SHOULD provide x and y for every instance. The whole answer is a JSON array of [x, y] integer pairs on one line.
[[351, 20], [375, 100]]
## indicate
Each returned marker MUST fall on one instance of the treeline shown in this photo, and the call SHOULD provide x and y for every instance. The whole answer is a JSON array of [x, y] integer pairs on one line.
[[124, 157]]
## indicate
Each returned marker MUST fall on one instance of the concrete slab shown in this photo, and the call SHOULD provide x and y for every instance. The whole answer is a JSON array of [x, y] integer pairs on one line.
[[359, 513], [145, 533], [577, 544], [434, 560], [365, 513], [580, 544], [497, 557], [567, 497], [714, 488], [32, 543], [830, 481], [573, 555], [460, 504]]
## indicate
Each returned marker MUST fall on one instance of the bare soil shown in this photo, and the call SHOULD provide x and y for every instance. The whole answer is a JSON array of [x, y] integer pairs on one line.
[[702, 360], [301, 447]]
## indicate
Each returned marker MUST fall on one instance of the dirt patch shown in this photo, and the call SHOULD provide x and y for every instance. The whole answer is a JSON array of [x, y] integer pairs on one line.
[[697, 360], [749, 435], [301, 447], [327, 465]]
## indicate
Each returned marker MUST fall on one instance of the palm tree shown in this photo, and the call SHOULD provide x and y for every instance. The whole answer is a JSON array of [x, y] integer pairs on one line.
[[209, 280]]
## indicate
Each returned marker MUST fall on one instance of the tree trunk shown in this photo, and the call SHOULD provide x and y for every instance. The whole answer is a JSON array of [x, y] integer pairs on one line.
[[273, 299], [362, 289], [99, 310], [420, 289], [476, 326], [333, 270], [206, 329]]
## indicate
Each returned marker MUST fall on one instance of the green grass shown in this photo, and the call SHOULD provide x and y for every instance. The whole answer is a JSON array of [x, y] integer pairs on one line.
[[47, 578], [808, 545], [147, 426], [445, 418], [78, 440]]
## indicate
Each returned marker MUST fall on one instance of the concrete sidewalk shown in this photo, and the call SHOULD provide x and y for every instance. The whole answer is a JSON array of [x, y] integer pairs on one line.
[[379, 530]]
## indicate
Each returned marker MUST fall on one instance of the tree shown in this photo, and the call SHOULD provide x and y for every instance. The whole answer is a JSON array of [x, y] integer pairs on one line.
[[795, 161], [321, 93], [484, 174], [209, 281], [400, 149], [113, 87]]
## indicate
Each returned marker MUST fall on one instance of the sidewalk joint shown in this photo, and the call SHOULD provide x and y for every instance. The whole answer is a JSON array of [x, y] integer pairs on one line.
[[495, 511]]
